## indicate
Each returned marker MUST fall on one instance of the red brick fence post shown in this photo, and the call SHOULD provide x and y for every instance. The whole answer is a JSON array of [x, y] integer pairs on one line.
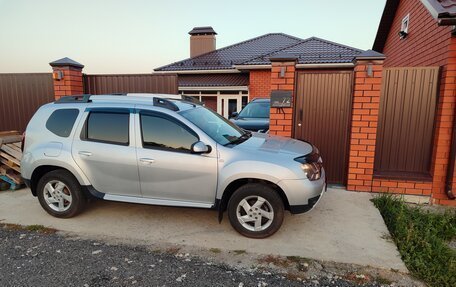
[[67, 75], [366, 101], [282, 79]]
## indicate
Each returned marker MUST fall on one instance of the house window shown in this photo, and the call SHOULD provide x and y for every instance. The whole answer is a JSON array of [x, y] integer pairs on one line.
[[404, 26]]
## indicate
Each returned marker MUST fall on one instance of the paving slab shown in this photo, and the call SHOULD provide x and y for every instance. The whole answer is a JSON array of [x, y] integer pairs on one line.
[[345, 227]]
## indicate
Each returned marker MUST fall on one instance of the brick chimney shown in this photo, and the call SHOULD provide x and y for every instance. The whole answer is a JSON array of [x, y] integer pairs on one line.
[[202, 40]]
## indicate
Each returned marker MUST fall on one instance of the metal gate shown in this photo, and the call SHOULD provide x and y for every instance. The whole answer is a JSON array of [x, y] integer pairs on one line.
[[20, 96], [131, 83], [322, 117]]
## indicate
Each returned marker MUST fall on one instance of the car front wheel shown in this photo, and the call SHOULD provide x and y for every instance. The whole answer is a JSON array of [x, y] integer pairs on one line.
[[256, 210]]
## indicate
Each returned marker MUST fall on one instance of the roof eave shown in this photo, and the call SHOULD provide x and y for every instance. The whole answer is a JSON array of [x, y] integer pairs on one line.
[[253, 67], [183, 72], [213, 88], [385, 24], [325, 66]]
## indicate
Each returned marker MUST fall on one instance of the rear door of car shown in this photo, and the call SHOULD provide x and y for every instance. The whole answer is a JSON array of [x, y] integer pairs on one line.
[[167, 168], [104, 149]]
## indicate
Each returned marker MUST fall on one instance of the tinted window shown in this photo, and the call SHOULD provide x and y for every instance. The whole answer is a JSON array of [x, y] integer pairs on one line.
[[161, 133], [256, 110], [108, 127], [61, 122]]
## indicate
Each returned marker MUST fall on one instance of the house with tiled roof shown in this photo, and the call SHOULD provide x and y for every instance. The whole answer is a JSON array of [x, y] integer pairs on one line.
[[226, 79]]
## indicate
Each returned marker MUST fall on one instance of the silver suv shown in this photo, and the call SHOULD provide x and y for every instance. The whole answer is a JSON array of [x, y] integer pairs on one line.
[[166, 150]]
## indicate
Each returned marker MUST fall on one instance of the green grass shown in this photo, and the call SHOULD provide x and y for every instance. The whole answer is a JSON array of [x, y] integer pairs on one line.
[[215, 250], [422, 239]]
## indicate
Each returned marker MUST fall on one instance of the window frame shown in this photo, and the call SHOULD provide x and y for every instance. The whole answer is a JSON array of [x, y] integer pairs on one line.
[[85, 127], [405, 23], [169, 118]]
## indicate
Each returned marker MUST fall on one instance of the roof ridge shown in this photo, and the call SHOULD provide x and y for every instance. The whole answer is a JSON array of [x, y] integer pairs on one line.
[[230, 46], [303, 41], [337, 44], [281, 49]]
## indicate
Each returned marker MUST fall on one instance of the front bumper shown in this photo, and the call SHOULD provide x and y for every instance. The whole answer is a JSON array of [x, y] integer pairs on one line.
[[303, 194]]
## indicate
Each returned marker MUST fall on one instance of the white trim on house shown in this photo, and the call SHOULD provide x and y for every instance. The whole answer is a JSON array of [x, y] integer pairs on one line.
[[223, 71], [252, 67], [220, 88], [320, 66]]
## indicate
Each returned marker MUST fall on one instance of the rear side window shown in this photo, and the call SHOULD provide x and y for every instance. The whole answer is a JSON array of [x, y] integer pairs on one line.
[[164, 134], [61, 122], [108, 127]]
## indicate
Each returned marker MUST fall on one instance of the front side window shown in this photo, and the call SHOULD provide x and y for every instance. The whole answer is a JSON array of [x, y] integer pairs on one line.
[[61, 122], [108, 127], [255, 110], [165, 134]]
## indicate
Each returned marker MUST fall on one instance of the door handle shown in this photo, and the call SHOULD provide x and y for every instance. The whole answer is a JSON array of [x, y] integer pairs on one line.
[[147, 160], [85, 153]]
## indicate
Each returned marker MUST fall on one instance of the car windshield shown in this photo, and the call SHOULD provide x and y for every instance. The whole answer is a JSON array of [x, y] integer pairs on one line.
[[214, 125], [255, 110]]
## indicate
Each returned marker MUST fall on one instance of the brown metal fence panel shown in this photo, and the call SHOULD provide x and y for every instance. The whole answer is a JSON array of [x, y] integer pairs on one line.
[[20, 96], [130, 83], [406, 121], [322, 116]]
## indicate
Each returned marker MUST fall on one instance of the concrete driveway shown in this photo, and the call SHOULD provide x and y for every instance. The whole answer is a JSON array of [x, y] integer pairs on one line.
[[345, 227]]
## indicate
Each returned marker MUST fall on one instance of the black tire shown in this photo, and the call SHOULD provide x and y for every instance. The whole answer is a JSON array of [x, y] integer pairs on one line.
[[78, 200], [252, 190]]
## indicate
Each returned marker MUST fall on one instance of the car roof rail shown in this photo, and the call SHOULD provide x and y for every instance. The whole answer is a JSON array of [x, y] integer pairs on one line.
[[84, 98], [190, 100], [165, 103]]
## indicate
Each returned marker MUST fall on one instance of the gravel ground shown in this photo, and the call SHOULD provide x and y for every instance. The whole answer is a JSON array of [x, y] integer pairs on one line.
[[31, 258]]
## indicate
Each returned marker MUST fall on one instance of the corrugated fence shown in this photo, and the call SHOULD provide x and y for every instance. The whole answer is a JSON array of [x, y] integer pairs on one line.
[[130, 83], [406, 122], [20, 96]]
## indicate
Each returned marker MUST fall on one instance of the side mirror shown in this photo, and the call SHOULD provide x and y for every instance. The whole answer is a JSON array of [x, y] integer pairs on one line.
[[199, 147], [233, 115]]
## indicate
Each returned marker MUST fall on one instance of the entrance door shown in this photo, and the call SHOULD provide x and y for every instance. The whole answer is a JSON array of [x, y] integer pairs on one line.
[[228, 104], [322, 116]]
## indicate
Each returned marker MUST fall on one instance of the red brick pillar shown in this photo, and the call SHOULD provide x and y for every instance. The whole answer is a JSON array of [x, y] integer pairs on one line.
[[67, 75], [282, 79], [366, 99]]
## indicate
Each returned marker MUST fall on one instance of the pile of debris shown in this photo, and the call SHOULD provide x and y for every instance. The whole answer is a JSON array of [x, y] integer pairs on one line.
[[10, 160]]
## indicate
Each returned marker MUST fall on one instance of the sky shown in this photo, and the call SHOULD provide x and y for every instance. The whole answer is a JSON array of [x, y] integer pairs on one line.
[[136, 36]]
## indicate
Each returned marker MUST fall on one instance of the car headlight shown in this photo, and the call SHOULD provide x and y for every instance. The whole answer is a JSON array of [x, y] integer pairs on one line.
[[311, 164], [312, 170]]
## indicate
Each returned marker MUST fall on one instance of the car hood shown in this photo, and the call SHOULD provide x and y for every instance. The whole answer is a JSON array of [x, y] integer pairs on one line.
[[275, 144], [253, 124]]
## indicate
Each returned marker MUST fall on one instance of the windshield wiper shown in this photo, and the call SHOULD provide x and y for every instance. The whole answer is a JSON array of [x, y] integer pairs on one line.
[[245, 136]]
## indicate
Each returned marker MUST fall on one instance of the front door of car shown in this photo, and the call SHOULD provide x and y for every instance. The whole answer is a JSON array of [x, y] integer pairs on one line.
[[168, 169], [105, 151]]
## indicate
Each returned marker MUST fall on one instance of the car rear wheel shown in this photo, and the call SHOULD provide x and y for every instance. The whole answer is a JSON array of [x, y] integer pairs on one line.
[[60, 194], [256, 210]]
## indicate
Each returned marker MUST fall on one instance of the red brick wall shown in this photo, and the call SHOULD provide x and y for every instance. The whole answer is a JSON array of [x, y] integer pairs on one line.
[[260, 84], [444, 126], [71, 84], [426, 44], [281, 120]]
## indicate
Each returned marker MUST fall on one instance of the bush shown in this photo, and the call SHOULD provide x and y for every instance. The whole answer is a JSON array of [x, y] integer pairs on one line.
[[422, 237]]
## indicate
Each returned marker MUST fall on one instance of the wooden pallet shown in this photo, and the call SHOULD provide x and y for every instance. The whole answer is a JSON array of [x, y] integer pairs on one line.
[[10, 159]]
